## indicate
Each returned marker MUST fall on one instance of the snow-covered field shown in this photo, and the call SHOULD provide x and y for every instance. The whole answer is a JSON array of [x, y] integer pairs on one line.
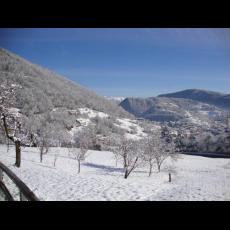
[[194, 178]]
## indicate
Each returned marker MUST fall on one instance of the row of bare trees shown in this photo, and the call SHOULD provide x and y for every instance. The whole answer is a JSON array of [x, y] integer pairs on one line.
[[157, 149], [150, 151], [153, 150]]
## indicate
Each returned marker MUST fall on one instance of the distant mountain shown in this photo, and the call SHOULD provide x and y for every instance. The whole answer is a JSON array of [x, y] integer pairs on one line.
[[171, 109], [210, 97], [44, 90]]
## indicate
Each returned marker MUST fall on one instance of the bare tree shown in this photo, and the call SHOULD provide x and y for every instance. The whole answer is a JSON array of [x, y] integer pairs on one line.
[[112, 144], [128, 152], [157, 149], [43, 147], [55, 160], [131, 153], [10, 116], [150, 149], [40, 135], [80, 146], [165, 150], [79, 154], [31, 127]]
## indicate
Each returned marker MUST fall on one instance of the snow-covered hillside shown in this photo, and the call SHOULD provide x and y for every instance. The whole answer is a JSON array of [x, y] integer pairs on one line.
[[173, 109], [132, 129], [193, 177]]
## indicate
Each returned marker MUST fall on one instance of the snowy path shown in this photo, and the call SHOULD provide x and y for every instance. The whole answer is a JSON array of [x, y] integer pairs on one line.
[[196, 178]]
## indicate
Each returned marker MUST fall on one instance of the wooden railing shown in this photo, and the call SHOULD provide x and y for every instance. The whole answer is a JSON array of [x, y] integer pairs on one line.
[[25, 193]]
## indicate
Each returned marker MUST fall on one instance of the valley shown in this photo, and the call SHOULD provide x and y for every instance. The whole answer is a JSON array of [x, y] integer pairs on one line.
[[73, 144]]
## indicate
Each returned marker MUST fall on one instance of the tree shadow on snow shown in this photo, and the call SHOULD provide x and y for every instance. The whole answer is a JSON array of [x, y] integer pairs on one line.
[[104, 167]]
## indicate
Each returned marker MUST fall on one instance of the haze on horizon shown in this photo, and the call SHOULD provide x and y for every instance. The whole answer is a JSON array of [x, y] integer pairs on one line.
[[129, 62]]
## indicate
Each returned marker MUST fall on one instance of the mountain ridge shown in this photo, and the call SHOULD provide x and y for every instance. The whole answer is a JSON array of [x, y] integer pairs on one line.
[[171, 109], [221, 100]]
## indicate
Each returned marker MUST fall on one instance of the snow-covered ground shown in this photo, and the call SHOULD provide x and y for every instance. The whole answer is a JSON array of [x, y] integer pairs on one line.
[[194, 178]]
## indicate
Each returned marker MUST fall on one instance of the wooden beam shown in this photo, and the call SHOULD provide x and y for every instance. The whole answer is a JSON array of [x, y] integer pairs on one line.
[[27, 193], [6, 192], [1, 174]]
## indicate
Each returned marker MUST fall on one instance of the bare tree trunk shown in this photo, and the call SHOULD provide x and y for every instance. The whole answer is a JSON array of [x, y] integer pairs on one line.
[[8, 145], [17, 143], [46, 149], [150, 169], [126, 173], [79, 166], [18, 153], [55, 159], [170, 179], [125, 161], [159, 167], [41, 156]]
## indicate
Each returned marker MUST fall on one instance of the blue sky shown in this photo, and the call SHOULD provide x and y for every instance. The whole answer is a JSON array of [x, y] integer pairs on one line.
[[129, 62]]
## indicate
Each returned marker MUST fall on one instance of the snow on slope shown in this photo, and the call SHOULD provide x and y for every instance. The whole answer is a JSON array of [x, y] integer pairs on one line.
[[127, 125], [85, 121], [124, 123], [196, 178], [92, 113], [196, 120]]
